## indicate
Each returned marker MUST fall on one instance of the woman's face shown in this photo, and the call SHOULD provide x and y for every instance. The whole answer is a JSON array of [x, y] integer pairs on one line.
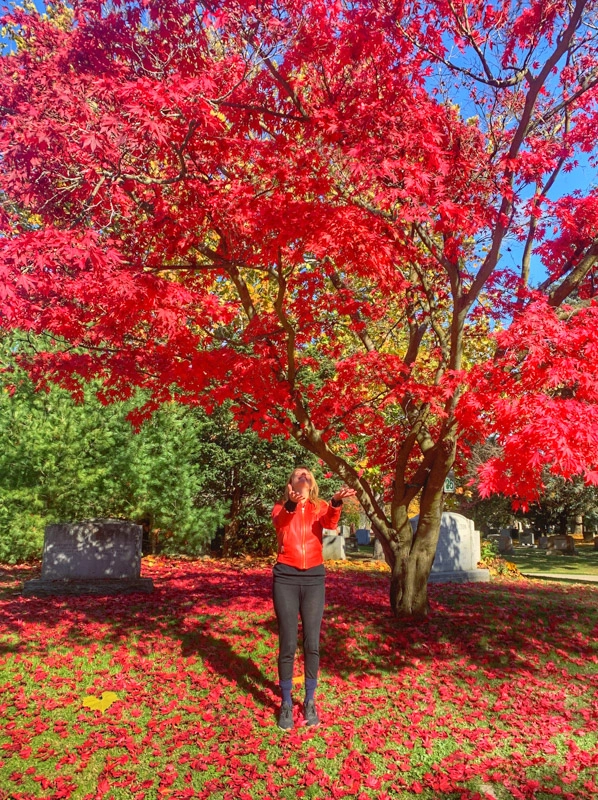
[[302, 481]]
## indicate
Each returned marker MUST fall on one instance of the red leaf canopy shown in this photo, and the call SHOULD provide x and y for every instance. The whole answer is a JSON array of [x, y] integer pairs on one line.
[[301, 207]]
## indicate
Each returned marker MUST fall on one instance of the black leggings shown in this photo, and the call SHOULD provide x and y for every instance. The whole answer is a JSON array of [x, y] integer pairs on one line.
[[290, 600]]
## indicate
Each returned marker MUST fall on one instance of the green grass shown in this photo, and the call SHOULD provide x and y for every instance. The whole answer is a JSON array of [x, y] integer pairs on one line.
[[585, 562], [493, 696]]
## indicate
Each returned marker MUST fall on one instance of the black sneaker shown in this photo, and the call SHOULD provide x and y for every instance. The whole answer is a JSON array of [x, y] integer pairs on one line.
[[310, 713], [285, 718]]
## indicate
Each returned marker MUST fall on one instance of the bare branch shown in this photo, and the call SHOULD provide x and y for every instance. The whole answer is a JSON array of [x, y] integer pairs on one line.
[[279, 276], [506, 208]]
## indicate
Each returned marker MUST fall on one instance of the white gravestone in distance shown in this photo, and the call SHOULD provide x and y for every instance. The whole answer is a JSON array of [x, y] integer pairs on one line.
[[101, 556], [333, 546], [458, 551]]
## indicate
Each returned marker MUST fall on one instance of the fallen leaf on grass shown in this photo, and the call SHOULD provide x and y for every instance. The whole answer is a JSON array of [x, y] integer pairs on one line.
[[101, 704]]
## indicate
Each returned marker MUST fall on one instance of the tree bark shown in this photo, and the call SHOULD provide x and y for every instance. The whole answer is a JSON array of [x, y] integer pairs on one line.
[[409, 587], [412, 566], [414, 556], [233, 521]]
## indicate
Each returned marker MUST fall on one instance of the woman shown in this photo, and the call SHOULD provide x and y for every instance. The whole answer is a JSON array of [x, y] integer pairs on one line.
[[298, 587]]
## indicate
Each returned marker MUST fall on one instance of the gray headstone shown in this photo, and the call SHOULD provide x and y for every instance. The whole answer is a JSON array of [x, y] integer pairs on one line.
[[505, 542], [378, 551], [101, 556], [458, 551], [333, 547], [106, 548], [561, 544], [527, 538]]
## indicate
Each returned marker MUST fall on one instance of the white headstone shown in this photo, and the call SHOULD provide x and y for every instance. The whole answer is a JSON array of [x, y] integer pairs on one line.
[[458, 551], [333, 547]]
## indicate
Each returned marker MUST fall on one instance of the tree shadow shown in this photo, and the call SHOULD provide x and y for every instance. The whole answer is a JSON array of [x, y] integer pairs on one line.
[[219, 657], [543, 561], [187, 611], [510, 627], [503, 628]]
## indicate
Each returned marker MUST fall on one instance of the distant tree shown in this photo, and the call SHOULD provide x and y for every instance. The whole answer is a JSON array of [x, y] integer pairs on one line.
[[250, 474], [561, 503], [62, 461]]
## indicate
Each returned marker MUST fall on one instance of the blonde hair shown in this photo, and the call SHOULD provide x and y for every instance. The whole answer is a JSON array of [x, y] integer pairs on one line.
[[313, 492]]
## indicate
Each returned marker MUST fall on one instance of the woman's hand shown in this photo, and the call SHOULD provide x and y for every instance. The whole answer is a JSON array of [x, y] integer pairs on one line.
[[295, 497], [343, 492]]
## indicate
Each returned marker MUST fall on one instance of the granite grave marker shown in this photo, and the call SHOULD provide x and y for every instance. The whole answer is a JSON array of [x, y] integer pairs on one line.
[[101, 556]]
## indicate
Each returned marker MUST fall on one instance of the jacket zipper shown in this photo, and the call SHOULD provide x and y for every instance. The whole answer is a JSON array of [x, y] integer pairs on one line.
[[303, 531]]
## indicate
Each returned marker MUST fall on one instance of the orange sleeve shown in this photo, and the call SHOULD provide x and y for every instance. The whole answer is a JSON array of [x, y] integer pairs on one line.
[[331, 516], [281, 516]]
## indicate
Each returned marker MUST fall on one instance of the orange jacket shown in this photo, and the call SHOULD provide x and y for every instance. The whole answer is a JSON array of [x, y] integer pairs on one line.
[[299, 532]]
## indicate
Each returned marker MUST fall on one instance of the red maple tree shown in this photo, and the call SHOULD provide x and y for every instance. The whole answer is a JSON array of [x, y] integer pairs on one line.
[[303, 207]]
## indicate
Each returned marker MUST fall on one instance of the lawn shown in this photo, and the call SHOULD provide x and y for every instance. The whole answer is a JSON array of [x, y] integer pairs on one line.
[[585, 562], [496, 696]]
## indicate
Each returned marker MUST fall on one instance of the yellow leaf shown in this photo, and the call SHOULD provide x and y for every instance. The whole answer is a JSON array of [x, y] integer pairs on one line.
[[298, 680], [100, 703]]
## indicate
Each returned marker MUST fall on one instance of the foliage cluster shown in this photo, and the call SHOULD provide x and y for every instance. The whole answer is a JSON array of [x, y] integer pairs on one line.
[[498, 566], [63, 461]]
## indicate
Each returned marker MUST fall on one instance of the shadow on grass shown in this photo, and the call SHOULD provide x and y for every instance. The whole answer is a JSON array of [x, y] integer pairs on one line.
[[220, 657], [512, 628]]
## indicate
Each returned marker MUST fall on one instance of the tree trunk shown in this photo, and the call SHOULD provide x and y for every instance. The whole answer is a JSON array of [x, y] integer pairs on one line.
[[409, 587], [582, 528], [232, 522], [414, 556], [411, 570]]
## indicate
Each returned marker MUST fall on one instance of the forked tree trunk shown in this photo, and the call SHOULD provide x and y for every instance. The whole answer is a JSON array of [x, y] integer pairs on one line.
[[413, 552], [409, 587], [411, 570]]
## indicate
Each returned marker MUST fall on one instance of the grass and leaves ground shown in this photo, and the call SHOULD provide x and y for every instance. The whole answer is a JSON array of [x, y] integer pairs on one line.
[[496, 696], [583, 562]]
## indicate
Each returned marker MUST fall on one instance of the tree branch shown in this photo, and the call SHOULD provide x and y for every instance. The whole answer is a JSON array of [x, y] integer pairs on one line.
[[506, 207], [575, 277]]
